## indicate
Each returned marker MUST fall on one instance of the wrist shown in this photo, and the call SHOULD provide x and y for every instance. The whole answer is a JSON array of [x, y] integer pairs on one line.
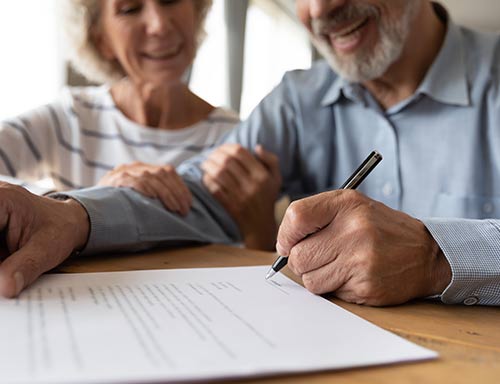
[[440, 274], [79, 222]]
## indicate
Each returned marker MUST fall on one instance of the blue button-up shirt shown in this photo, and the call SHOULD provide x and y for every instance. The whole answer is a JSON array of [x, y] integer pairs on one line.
[[441, 151]]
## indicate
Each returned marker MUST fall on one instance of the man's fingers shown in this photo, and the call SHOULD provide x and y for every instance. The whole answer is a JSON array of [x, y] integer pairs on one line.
[[328, 278], [214, 171], [230, 164], [307, 216], [270, 160], [220, 193], [244, 158], [314, 252], [24, 266], [11, 284]]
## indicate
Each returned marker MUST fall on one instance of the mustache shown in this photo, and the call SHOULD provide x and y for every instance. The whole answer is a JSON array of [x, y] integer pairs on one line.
[[344, 15]]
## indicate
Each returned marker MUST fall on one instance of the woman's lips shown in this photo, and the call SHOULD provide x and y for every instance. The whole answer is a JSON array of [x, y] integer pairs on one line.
[[162, 54]]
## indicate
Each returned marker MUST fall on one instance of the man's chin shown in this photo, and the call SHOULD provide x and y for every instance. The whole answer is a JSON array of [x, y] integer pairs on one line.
[[346, 67], [348, 71]]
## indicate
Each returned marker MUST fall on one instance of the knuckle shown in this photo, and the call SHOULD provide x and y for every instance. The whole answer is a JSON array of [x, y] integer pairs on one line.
[[368, 293], [216, 190], [162, 173], [249, 192], [353, 195], [138, 185], [261, 177], [360, 223], [238, 149], [295, 213], [220, 173], [168, 169], [312, 284], [227, 161], [364, 290]]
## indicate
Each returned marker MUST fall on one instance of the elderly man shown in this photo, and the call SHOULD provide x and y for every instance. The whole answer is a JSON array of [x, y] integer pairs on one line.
[[406, 81]]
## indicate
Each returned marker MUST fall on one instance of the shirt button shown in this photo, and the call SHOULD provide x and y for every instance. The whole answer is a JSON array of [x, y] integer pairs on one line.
[[471, 300], [488, 207], [387, 189]]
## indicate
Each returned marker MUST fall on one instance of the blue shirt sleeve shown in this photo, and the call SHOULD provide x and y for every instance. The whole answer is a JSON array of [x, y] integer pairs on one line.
[[472, 247]]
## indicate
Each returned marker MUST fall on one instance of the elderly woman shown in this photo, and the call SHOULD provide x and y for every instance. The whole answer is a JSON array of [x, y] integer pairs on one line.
[[144, 113]]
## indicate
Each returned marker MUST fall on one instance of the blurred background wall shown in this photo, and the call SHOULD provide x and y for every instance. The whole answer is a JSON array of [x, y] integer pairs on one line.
[[250, 44]]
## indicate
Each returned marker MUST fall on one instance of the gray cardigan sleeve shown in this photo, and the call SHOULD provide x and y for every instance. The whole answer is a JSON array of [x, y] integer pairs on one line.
[[122, 219]]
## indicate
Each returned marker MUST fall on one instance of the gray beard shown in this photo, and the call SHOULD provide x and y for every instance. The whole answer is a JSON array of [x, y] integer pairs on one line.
[[368, 65]]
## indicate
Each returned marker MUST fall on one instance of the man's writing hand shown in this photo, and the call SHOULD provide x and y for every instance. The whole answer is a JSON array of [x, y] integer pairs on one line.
[[362, 250]]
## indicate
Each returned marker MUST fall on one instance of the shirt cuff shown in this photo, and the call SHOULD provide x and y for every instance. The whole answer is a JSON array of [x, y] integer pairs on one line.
[[110, 218], [472, 248]]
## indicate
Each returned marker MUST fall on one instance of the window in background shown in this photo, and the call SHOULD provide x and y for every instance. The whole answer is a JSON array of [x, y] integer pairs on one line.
[[274, 44], [31, 71], [208, 77]]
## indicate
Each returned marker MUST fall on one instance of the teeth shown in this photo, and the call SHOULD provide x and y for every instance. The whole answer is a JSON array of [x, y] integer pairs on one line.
[[163, 54], [348, 38], [353, 27]]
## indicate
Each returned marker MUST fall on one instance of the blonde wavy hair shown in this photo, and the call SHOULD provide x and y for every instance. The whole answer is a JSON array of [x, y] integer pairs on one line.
[[79, 17]]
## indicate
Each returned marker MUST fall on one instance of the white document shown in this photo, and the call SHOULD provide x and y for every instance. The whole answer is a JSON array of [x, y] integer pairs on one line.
[[188, 324]]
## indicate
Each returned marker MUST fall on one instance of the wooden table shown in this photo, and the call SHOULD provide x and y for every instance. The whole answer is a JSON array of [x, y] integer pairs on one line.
[[467, 338]]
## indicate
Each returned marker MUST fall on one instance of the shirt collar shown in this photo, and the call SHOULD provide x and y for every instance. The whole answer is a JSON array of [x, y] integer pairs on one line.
[[334, 92], [341, 87], [446, 80]]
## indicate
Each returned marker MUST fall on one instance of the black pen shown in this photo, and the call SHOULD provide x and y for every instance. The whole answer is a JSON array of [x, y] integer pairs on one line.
[[352, 183]]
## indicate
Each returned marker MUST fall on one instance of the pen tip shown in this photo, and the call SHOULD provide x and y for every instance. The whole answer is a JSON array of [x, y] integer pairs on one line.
[[270, 274]]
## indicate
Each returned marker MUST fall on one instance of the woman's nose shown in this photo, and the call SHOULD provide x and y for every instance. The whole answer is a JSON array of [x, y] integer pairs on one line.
[[157, 21]]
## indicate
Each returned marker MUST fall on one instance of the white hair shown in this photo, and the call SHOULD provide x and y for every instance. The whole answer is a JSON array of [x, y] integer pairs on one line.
[[79, 17]]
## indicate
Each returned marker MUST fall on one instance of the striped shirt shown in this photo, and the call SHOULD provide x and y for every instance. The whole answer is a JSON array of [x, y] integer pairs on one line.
[[83, 135]]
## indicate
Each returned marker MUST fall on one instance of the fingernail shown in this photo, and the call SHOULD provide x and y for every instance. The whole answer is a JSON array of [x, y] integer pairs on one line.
[[19, 279]]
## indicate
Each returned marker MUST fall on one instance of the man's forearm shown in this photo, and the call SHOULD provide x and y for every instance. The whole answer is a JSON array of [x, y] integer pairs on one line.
[[122, 219]]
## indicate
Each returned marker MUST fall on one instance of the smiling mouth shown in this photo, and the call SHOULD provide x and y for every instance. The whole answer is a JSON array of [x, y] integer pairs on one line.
[[353, 28], [164, 54]]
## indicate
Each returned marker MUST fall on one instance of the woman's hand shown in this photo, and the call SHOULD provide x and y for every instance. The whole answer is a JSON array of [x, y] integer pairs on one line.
[[159, 182], [248, 187]]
